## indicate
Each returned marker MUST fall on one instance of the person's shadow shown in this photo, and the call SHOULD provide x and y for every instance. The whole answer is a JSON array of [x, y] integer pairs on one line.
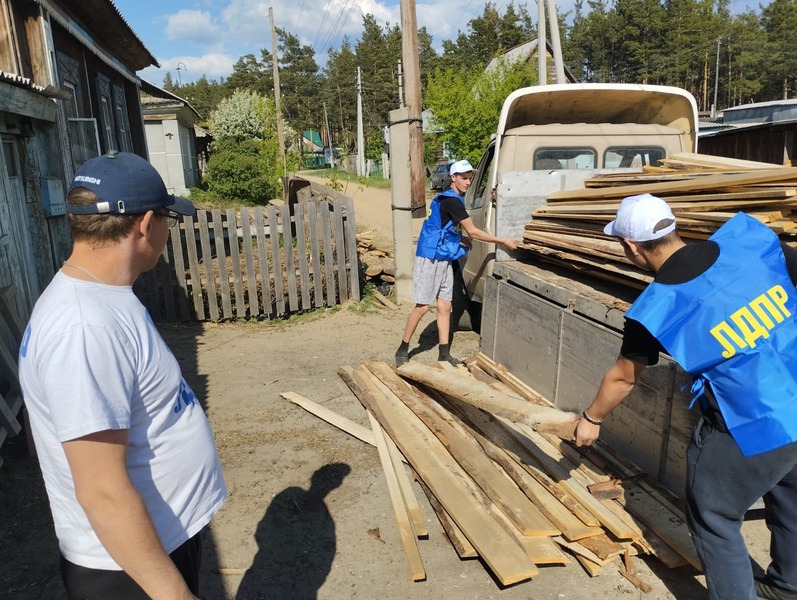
[[296, 541]]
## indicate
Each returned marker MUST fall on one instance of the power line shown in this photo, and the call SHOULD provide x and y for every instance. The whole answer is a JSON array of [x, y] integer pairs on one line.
[[298, 19], [323, 20]]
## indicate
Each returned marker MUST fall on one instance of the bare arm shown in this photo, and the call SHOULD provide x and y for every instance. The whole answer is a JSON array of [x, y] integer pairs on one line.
[[615, 387], [119, 516], [478, 234]]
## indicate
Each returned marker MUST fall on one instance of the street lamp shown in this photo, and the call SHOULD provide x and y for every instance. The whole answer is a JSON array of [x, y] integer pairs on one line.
[[179, 79]]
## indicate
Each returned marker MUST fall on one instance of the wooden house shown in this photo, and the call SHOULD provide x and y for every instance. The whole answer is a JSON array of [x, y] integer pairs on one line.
[[169, 125], [68, 92]]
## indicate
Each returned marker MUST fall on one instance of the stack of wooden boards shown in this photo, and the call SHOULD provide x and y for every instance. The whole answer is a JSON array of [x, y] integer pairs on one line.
[[504, 486], [703, 192]]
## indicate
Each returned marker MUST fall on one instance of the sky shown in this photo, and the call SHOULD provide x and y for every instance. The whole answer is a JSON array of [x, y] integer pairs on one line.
[[191, 38]]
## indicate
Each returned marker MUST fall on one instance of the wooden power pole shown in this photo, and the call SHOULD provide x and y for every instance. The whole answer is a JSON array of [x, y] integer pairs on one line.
[[277, 93], [411, 64]]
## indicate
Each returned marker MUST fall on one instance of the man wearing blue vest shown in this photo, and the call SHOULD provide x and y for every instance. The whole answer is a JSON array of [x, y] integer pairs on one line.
[[726, 311], [440, 243]]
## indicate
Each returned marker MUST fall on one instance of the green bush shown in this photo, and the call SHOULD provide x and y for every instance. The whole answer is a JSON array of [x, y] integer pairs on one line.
[[241, 172]]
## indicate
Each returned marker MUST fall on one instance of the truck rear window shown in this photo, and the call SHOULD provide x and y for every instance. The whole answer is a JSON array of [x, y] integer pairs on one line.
[[565, 158], [633, 156]]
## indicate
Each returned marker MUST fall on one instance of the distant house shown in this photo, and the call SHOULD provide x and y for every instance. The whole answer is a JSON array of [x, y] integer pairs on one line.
[[68, 92], [171, 140]]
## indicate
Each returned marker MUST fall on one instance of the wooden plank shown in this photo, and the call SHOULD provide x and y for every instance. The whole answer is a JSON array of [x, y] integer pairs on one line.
[[8, 414], [355, 429], [546, 456], [340, 251], [690, 185], [458, 539], [444, 477], [406, 531], [301, 249], [603, 547], [483, 396], [315, 253], [207, 264], [329, 258], [387, 302], [184, 310], [249, 260], [221, 261], [578, 550], [235, 262], [193, 268], [9, 314], [405, 483], [555, 507], [502, 491], [351, 249], [166, 269], [276, 260], [290, 262], [262, 257]]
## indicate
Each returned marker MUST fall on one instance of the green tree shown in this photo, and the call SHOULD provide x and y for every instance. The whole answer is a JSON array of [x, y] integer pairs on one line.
[[467, 104], [779, 19], [244, 165], [248, 73], [340, 94]]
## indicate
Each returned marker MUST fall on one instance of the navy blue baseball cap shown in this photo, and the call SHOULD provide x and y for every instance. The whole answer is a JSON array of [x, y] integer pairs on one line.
[[125, 184]]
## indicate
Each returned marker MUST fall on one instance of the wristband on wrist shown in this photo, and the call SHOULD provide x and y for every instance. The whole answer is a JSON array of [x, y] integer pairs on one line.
[[590, 420]]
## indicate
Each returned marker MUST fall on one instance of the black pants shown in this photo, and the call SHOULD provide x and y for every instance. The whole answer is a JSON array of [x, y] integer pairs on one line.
[[83, 583], [721, 485]]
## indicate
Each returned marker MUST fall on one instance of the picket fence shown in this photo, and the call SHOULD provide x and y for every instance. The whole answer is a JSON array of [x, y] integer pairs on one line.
[[255, 263]]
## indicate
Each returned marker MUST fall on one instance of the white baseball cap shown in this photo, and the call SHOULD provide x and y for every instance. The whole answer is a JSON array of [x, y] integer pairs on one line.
[[638, 216], [461, 166]]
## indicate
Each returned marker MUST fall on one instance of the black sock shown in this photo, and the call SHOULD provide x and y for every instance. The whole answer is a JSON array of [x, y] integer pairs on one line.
[[443, 353], [404, 347]]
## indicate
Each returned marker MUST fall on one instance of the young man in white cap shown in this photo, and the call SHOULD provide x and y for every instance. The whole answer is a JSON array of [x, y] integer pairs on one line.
[[726, 311], [128, 457], [440, 243]]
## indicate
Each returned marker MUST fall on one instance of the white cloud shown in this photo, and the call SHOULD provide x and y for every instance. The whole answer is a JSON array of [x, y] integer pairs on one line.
[[212, 65], [192, 26]]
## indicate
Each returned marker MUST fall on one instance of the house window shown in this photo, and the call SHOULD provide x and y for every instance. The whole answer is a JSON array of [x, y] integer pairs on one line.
[[84, 140], [69, 76], [106, 112], [122, 120]]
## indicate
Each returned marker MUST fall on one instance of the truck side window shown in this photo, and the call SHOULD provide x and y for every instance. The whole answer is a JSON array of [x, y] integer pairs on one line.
[[633, 156], [565, 158], [478, 193]]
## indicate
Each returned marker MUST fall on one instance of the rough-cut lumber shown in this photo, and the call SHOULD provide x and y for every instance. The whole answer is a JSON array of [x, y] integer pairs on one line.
[[413, 508], [461, 544], [406, 530], [535, 444], [503, 492], [331, 417], [385, 300], [553, 502], [689, 185], [444, 477], [481, 395]]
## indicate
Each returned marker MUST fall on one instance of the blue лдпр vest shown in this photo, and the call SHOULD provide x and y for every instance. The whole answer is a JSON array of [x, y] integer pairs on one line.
[[734, 326], [440, 243]]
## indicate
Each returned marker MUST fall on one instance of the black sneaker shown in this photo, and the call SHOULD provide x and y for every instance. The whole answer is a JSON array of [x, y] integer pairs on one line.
[[765, 590], [402, 357], [450, 360]]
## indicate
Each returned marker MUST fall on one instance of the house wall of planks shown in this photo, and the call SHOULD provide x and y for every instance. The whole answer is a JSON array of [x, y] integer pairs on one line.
[[253, 262]]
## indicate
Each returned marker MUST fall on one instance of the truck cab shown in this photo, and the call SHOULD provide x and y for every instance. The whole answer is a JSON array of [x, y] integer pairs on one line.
[[553, 138]]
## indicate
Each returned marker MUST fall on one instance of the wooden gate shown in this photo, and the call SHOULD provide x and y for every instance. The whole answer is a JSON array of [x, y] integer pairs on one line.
[[255, 263]]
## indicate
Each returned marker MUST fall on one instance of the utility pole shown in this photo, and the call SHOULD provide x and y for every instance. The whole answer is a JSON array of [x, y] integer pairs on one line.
[[401, 85], [542, 44], [360, 133], [716, 80], [556, 44], [411, 64], [277, 94], [329, 138]]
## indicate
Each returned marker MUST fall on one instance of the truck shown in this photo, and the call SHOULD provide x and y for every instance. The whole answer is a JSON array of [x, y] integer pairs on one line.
[[556, 330]]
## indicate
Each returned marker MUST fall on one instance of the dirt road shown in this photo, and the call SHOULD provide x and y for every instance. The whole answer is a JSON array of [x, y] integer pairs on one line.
[[308, 513]]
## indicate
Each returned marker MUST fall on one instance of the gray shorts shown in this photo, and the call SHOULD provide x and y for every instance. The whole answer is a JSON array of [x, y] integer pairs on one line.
[[432, 279]]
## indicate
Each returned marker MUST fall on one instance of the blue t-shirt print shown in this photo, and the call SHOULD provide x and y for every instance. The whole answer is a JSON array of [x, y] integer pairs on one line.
[[23, 347], [185, 398]]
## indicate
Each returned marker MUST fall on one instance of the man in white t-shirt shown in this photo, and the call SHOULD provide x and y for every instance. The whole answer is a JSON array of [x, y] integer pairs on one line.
[[126, 451]]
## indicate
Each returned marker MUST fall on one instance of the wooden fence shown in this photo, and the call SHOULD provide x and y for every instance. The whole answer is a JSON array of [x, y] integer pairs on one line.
[[255, 263], [11, 332]]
